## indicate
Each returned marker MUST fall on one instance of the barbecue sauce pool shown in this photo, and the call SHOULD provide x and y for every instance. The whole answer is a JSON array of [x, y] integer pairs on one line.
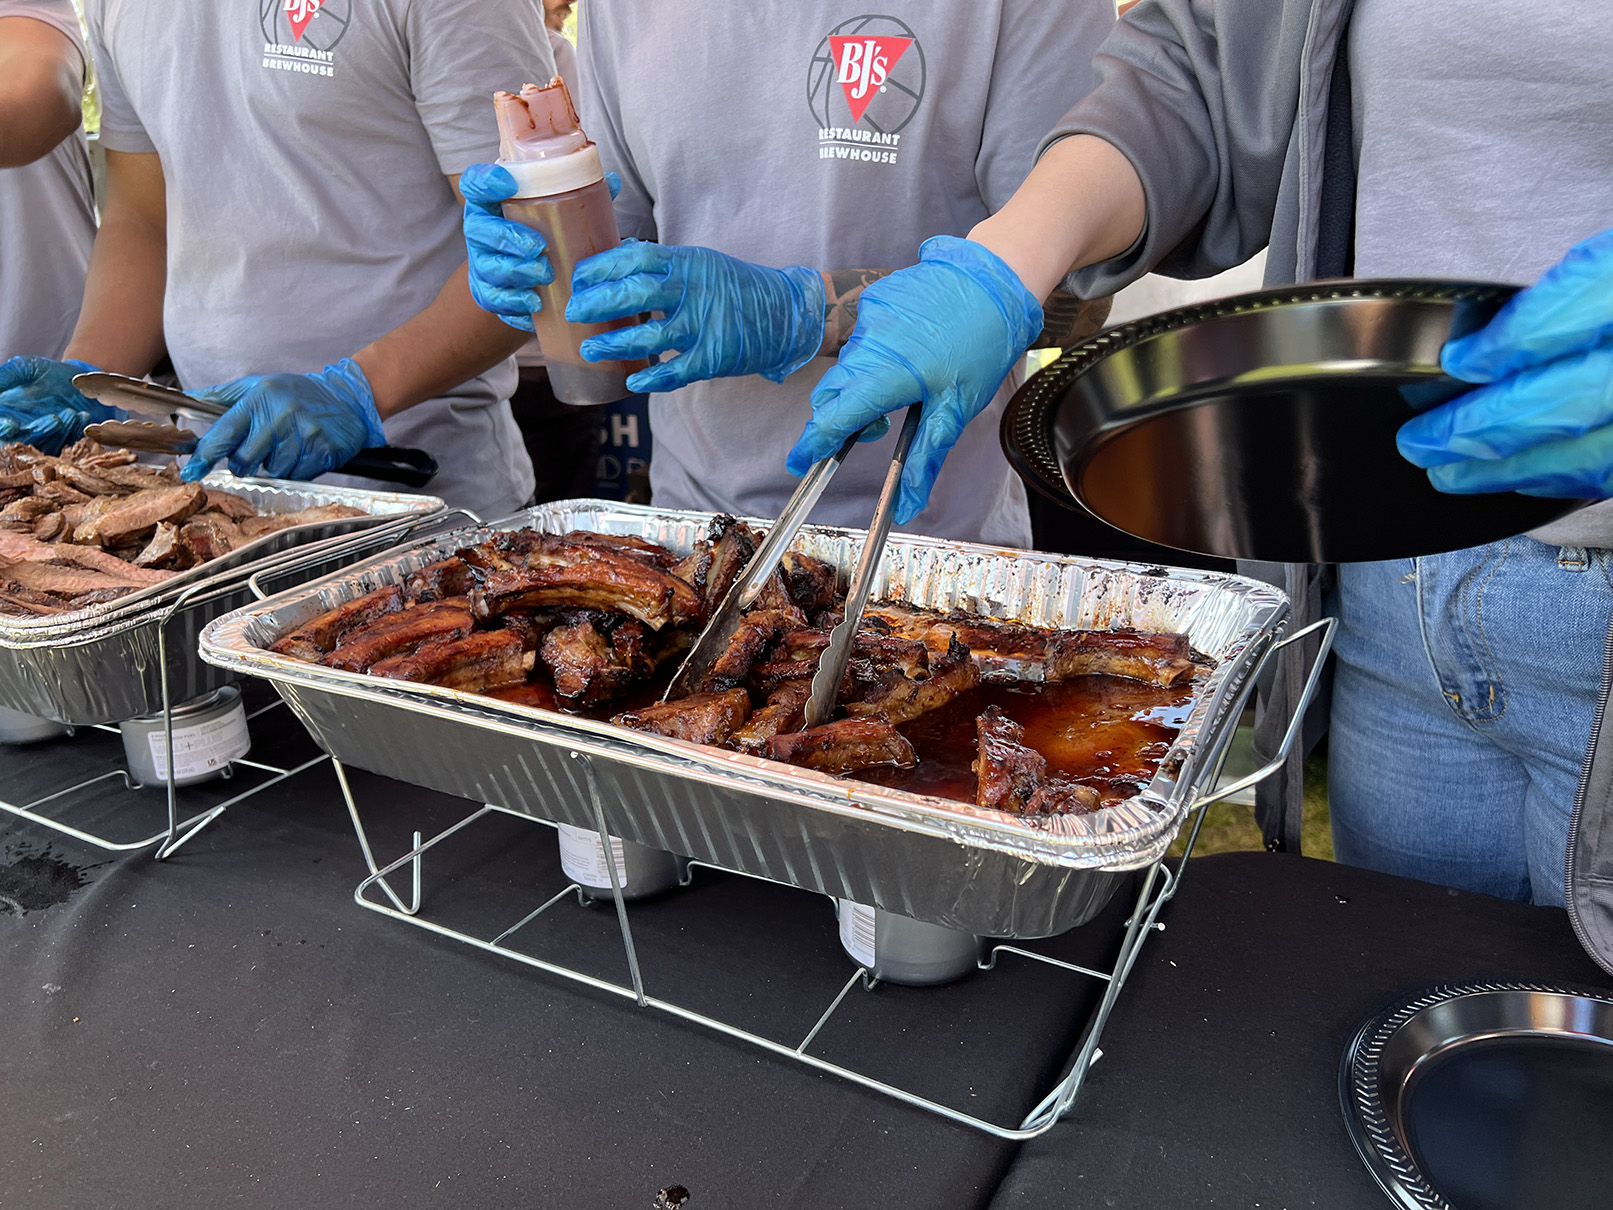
[[1103, 730]]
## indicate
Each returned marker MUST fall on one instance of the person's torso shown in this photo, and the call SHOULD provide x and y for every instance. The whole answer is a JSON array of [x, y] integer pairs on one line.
[[1484, 135], [47, 224], [1484, 131], [309, 207], [826, 135]]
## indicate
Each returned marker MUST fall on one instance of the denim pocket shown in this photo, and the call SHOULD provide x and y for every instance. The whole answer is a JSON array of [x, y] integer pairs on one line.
[[1453, 591]]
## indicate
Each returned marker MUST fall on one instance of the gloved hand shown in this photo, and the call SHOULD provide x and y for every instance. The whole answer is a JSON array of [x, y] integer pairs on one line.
[[297, 426], [726, 317], [1544, 423], [39, 404], [945, 331], [507, 260]]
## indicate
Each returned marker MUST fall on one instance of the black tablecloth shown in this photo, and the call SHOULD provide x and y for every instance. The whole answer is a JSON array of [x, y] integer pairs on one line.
[[1219, 1082], [228, 1028]]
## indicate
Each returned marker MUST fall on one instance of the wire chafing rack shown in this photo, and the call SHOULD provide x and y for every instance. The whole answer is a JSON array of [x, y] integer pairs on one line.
[[175, 625], [1159, 884]]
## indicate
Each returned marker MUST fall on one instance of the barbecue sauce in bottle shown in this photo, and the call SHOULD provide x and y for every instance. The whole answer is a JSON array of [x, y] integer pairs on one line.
[[562, 194]]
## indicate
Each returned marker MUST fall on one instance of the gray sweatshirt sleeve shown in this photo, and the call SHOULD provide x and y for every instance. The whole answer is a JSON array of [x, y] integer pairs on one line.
[[1203, 97]]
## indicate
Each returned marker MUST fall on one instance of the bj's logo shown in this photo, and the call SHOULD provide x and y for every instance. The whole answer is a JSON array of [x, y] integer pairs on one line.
[[300, 35], [299, 13], [864, 84]]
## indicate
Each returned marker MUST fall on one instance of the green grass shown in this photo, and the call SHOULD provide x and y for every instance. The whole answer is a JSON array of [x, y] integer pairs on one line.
[[1230, 827]]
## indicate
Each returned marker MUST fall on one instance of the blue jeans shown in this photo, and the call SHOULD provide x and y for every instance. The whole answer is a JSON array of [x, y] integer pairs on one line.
[[1463, 699]]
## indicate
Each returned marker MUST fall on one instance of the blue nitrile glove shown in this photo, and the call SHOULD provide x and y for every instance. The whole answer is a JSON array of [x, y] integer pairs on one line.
[[1544, 423], [725, 317], [40, 406], [945, 331], [297, 426], [507, 261]]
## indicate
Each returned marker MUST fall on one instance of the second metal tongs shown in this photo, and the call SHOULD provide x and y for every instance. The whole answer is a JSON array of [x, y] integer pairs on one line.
[[720, 630]]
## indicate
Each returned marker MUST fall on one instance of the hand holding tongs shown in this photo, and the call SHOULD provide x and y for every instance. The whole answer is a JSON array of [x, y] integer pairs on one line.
[[714, 638], [389, 463]]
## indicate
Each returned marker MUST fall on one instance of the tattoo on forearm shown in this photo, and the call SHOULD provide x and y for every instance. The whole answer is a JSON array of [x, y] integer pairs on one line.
[[841, 290], [1068, 320]]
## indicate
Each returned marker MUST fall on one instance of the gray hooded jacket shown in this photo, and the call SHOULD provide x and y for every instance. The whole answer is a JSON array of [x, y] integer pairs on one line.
[[1236, 116]]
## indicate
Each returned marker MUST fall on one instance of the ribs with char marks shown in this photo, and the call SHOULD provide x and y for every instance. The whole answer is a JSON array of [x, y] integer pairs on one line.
[[847, 746], [401, 633], [485, 660], [1012, 651], [700, 718], [317, 638]]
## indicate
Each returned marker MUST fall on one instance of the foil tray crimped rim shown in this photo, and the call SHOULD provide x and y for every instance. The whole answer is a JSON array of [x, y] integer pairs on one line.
[[114, 672], [251, 558], [1030, 586], [1027, 421]]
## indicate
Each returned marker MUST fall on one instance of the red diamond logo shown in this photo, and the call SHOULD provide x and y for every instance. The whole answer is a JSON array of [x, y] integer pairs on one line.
[[299, 13], [862, 65]]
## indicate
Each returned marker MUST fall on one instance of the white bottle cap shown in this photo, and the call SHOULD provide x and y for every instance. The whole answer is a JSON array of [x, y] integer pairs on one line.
[[557, 174]]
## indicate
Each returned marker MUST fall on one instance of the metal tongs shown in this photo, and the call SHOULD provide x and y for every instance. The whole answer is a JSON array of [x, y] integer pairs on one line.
[[167, 405], [714, 638]]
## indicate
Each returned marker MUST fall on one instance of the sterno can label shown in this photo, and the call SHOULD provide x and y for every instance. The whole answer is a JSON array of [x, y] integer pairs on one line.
[[582, 857], [203, 748], [857, 931]]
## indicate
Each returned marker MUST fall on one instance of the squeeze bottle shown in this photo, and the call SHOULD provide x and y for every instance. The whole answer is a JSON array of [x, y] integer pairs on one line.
[[561, 193]]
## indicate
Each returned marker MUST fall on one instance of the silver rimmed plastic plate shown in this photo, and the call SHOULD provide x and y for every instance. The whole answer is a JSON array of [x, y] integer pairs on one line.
[[1486, 1097], [1263, 426]]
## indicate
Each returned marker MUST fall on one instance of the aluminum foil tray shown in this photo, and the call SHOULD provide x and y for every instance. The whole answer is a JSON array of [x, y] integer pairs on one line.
[[934, 859], [109, 667], [268, 496]]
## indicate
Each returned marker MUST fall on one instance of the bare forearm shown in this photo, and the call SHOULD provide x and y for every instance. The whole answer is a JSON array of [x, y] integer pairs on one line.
[[41, 77], [120, 321], [1082, 203], [450, 342], [1069, 320]]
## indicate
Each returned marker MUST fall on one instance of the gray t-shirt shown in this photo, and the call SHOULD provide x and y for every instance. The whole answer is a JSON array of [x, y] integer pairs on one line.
[[1484, 137], [306, 149], [47, 224], [817, 134]]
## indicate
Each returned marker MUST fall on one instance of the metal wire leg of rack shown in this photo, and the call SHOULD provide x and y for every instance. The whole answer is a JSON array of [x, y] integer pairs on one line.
[[178, 831], [1159, 885]]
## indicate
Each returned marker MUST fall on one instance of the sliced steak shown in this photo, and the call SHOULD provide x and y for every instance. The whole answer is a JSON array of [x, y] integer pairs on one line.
[[209, 535], [96, 559], [236, 508], [163, 550], [256, 527], [136, 515]]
